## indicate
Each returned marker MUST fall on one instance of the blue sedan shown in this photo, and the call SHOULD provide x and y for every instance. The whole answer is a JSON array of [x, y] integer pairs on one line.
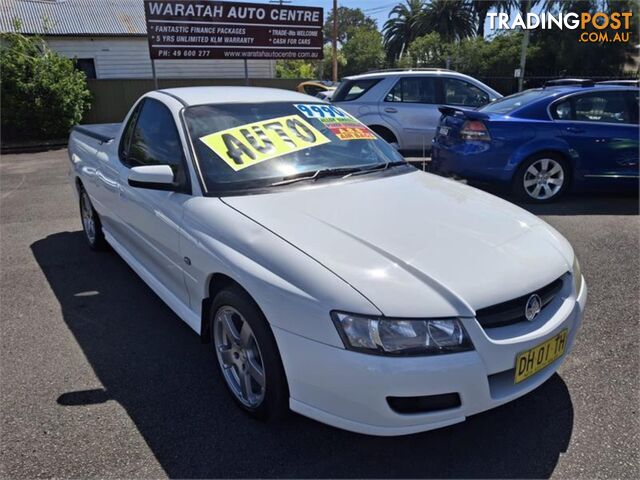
[[544, 142]]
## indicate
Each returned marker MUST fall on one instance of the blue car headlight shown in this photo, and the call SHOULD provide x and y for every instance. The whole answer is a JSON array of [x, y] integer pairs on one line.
[[388, 336]]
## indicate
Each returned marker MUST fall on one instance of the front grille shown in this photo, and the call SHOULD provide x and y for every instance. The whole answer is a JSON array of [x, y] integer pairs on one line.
[[512, 311]]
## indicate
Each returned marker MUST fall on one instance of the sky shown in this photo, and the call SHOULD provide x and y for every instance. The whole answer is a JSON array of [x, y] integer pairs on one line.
[[376, 9]]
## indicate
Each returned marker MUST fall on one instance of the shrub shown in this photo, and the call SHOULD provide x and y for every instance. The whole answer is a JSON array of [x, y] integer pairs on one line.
[[42, 94]]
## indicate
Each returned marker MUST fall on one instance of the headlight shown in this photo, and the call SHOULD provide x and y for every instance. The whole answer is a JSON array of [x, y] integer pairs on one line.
[[385, 336], [577, 275]]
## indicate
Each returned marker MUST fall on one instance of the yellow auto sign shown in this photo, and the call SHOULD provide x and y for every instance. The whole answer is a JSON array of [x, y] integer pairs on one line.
[[246, 145]]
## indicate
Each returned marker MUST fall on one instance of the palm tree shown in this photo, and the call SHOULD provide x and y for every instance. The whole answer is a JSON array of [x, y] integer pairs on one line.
[[482, 8], [400, 29], [451, 19]]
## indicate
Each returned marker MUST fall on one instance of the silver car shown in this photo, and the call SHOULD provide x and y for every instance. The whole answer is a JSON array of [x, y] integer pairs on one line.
[[402, 105]]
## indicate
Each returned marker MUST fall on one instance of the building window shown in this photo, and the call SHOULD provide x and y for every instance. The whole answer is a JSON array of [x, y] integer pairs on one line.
[[86, 65]]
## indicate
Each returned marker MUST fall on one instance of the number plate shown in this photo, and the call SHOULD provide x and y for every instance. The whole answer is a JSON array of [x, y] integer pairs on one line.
[[535, 359]]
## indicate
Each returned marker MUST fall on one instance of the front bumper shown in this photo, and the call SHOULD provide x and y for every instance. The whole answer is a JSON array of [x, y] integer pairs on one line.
[[348, 389]]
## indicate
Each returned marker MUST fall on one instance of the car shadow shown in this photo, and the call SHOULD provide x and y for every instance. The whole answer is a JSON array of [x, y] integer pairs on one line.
[[595, 203], [154, 365]]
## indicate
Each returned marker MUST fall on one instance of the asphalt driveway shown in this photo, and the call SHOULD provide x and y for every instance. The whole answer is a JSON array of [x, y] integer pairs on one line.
[[98, 378]]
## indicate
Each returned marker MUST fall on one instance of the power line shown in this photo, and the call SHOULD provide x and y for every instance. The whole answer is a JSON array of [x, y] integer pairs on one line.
[[379, 8]]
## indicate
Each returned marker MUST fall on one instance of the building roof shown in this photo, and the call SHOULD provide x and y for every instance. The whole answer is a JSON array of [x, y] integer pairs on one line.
[[74, 17]]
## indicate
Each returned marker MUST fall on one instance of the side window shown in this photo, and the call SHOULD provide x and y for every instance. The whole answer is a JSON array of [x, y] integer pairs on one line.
[[155, 139], [562, 111], [413, 90], [123, 150], [353, 89], [312, 90], [608, 107], [459, 92], [395, 95]]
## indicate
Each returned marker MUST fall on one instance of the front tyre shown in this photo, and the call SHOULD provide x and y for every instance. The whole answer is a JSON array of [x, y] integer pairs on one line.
[[542, 178], [91, 223], [247, 355]]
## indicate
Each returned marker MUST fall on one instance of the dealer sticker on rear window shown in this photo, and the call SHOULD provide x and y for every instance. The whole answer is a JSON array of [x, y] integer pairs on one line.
[[339, 122], [246, 145]]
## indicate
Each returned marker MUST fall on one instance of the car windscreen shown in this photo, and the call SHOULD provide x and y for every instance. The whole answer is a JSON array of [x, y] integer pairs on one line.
[[247, 146], [513, 102]]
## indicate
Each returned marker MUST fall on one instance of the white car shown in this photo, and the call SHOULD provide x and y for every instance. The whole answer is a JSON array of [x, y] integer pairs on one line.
[[331, 277]]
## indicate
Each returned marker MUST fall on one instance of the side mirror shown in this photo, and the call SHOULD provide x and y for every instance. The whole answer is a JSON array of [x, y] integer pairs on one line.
[[154, 177]]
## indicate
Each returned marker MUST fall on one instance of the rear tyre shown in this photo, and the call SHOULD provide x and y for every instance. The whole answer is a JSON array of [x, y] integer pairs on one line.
[[248, 356], [542, 178], [91, 223]]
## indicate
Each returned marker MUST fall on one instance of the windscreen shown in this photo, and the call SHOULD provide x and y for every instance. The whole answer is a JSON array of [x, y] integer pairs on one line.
[[512, 103], [245, 146]]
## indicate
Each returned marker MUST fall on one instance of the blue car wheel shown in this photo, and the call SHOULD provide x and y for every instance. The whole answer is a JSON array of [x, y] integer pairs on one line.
[[542, 178]]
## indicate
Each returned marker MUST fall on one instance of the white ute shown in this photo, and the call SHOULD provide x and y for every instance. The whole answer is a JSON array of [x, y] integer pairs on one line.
[[330, 276]]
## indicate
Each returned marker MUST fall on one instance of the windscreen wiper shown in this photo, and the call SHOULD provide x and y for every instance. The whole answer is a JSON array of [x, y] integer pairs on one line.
[[375, 168], [323, 172]]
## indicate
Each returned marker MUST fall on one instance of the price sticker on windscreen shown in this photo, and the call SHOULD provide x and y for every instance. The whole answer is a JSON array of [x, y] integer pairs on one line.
[[312, 110], [246, 145], [339, 122]]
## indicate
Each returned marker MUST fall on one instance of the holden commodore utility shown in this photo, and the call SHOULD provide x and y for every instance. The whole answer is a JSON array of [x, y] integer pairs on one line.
[[329, 276]]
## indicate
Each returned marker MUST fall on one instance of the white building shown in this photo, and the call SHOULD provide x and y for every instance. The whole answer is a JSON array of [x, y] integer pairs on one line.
[[108, 39]]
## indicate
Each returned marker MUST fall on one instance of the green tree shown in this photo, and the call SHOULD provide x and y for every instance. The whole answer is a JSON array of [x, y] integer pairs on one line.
[[400, 29], [560, 52], [348, 20], [451, 19], [427, 51], [295, 69], [480, 57], [475, 56], [326, 65], [43, 95], [363, 51]]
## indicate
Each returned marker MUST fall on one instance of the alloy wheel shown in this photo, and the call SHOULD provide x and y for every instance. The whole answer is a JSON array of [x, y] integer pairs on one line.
[[88, 222], [543, 179], [239, 356]]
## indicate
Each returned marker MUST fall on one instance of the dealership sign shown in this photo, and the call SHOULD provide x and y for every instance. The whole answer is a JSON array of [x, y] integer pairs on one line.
[[200, 29]]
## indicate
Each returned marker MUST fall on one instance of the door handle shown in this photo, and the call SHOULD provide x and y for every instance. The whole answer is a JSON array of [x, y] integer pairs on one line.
[[575, 130], [391, 110]]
